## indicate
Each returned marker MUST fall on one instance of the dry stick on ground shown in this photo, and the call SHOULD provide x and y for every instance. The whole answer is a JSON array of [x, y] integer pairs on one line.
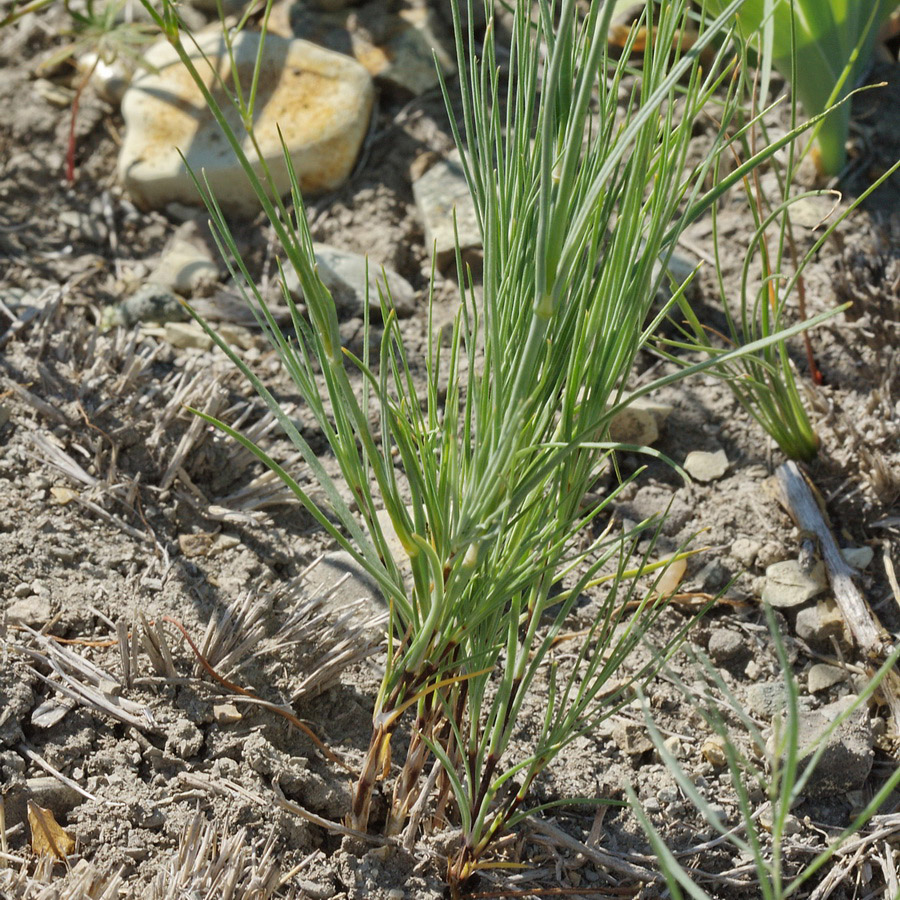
[[870, 636]]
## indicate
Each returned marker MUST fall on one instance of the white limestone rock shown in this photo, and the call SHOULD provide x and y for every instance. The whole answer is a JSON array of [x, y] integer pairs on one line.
[[320, 100]]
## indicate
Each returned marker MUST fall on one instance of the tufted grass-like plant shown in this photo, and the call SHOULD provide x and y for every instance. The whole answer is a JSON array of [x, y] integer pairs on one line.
[[483, 453], [823, 47], [778, 769]]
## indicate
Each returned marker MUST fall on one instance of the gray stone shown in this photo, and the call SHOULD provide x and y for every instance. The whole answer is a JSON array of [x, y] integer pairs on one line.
[[725, 645], [149, 303], [788, 585], [32, 610], [186, 265], [848, 755], [819, 624], [858, 557], [766, 699], [187, 335], [821, 676], [410, 53], [345, 275], [318, 101], [440, 191], [704, 466]]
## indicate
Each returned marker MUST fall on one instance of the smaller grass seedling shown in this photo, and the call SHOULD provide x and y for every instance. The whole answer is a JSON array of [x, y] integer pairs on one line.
[[104, 30], [772, 286], [782, 778]]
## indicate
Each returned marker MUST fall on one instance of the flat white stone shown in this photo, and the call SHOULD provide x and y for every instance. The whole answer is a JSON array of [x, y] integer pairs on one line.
[[320, 100], [706, 466]]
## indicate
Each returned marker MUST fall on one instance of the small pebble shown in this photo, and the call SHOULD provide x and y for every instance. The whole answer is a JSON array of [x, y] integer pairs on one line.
[[674, 746], [788, 585], [745, 551], [631, 738], [226, 713], [858, 557], [185, 335], [818, 624], [713, 750], [704, 466], [725, 644], [718, 813], [765, 700], [822, 676], [668, 795]]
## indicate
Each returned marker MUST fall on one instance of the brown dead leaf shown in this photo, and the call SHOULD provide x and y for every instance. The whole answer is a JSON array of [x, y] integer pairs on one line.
[[47, 837]]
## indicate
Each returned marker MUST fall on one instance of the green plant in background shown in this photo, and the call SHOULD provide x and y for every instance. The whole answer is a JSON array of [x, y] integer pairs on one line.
[[781, 779], [484, 481], [823, 47]]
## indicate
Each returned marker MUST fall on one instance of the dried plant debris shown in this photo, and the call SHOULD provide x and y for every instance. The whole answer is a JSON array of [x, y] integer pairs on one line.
[[83, 882], [120, 419], [322, 641], [211, 864], [287, 625]]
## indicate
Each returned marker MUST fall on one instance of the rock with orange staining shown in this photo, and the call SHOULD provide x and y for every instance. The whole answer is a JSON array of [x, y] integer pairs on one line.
[[320, 101]]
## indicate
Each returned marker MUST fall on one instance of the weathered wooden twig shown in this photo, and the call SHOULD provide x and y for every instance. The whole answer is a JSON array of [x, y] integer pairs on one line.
[[871, 638]]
